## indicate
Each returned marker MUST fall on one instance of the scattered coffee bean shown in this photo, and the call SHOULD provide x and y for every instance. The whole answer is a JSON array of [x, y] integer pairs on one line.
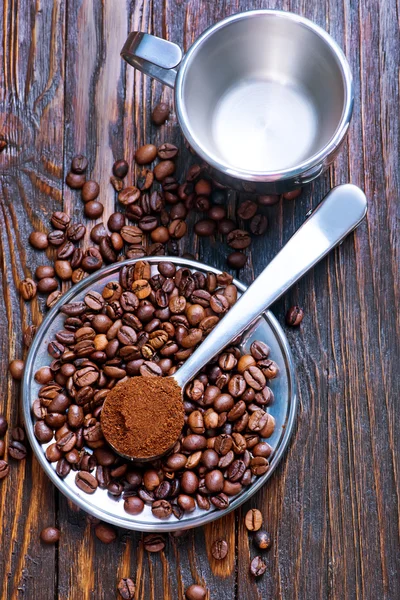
[[117, 183], [247, 210], [257, 566], [52, 298], [292, 195], [120, 168], [90, 190], [105, 533], [195, 592], [27, 289], [253, 520], [236, 260], [56, 238], [47, 285], [60, 220], [153, 542], [126, 588], [262, 539], [75, 180], [16, 368], [38, 240], [86, 482], [4, 469], [225, 226], [160, 113], [29, 334], [164, 169], [205, 227], [93, 209], [3, 425], [294, 316], [219, 549], [258, 224], [145, 154], [79, 164], [133, 505], [76, 232], [238, 239], [167, 151], [17, 450], [50, 535], [267, 200]]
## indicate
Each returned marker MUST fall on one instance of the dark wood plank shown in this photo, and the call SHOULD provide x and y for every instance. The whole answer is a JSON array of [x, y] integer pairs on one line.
[[31, 120]]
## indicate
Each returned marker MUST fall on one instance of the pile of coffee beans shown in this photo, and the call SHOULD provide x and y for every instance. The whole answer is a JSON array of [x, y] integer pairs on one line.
[[148, 323]]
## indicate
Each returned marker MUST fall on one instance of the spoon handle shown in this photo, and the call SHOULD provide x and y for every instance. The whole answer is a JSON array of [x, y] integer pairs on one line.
[[336, 216]]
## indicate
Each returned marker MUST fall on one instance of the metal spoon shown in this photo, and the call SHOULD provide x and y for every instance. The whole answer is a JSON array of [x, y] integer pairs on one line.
[[335, 217]]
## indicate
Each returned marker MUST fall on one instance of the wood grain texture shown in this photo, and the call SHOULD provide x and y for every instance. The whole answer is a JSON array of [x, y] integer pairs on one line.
[[332, 506]]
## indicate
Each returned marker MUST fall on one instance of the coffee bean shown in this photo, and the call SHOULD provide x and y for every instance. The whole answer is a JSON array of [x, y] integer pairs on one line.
[[52, 298], [27, 288], [79, 164], [47, 285], [126, 588], [219, 549], [258, 224], [269, 368], [160, 113], [76, 232], [262, 540], [292, 195], [247, 210], [221, 502], [16, 368], [238, 239], [63, 269], [50, 535], [18, 434], [86, 482], [117, 183], [29, 334], [167, 151], [294, 316], [93, 209], [3, 425], [90, 190], [4, 469], [129, 195], [257, 566], [42, 432], [133, 505], [259, 350], [153, 542], [120, 168], [60, 220], [164, 169], [98, 232], [214, 481], [75, 180], [225, 226], [107, 250], [92, 261], [195, 592], [253, 520], [177, 228], [17, 450], [105, 533], [267, 200], [116, 221], [203, 187], [38, 240]]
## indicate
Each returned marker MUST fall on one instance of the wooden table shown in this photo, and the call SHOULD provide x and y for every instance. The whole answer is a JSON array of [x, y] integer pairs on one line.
[[332, 507]]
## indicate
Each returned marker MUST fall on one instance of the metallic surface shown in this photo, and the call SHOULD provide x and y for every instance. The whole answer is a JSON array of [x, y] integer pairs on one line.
[[100, 504], [265, 97], [334, 218]]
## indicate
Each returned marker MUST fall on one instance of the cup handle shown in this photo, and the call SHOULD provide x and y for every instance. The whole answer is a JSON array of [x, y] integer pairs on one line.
[[153, 56]]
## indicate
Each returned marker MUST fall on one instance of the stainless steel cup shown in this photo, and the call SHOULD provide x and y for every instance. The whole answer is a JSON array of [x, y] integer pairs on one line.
[[264, 97]]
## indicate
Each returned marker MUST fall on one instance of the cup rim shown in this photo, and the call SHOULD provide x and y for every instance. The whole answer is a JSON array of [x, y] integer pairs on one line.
[[317, 158]]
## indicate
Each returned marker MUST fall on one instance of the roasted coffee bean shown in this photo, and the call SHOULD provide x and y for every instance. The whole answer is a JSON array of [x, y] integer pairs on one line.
[[164, 169], [50, 535], [47, 285], [38, 240], [126, 588], [269, 368], [205, 228], [105, 533], [262, 540], [221, 501], [259, 350], [129, 195], [145, 179], [254, 378], [107, 250], [219, 549], [116, 221], [79, 164], [76, 232], [195, 592], [292, 195], [236, 260], [214, 481], [267, 200], [117, 183], [93, 209], [86, 482], [161, 509], [253, 520], [120, 168], [4, 469], [238, 239], [203, 187], [17, 450], [98, 232], [63, 269], [258, 225], [52, 298], [225, 226], [16, 368], [153, 542], [90, 190], [63, 468], [145, 154], [160, 113], [43, 432], [247, 210], [92, 261], [167, 151], [60, 220], [257, 566], [56, 238], [27, 289], [75, 180], [186, 503], [29, 334], [294, 316]]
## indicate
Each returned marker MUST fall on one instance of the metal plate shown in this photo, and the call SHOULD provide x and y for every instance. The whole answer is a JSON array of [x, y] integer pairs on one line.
[[101, 504]]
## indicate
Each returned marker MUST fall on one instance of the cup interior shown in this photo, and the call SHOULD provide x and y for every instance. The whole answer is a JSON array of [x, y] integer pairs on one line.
[[262, 93]]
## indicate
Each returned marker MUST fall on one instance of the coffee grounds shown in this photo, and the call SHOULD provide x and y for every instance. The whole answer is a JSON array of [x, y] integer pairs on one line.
[[143, 416]]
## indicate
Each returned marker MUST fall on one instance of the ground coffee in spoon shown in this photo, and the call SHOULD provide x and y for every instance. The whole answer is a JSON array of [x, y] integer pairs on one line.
[[144, 416]]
